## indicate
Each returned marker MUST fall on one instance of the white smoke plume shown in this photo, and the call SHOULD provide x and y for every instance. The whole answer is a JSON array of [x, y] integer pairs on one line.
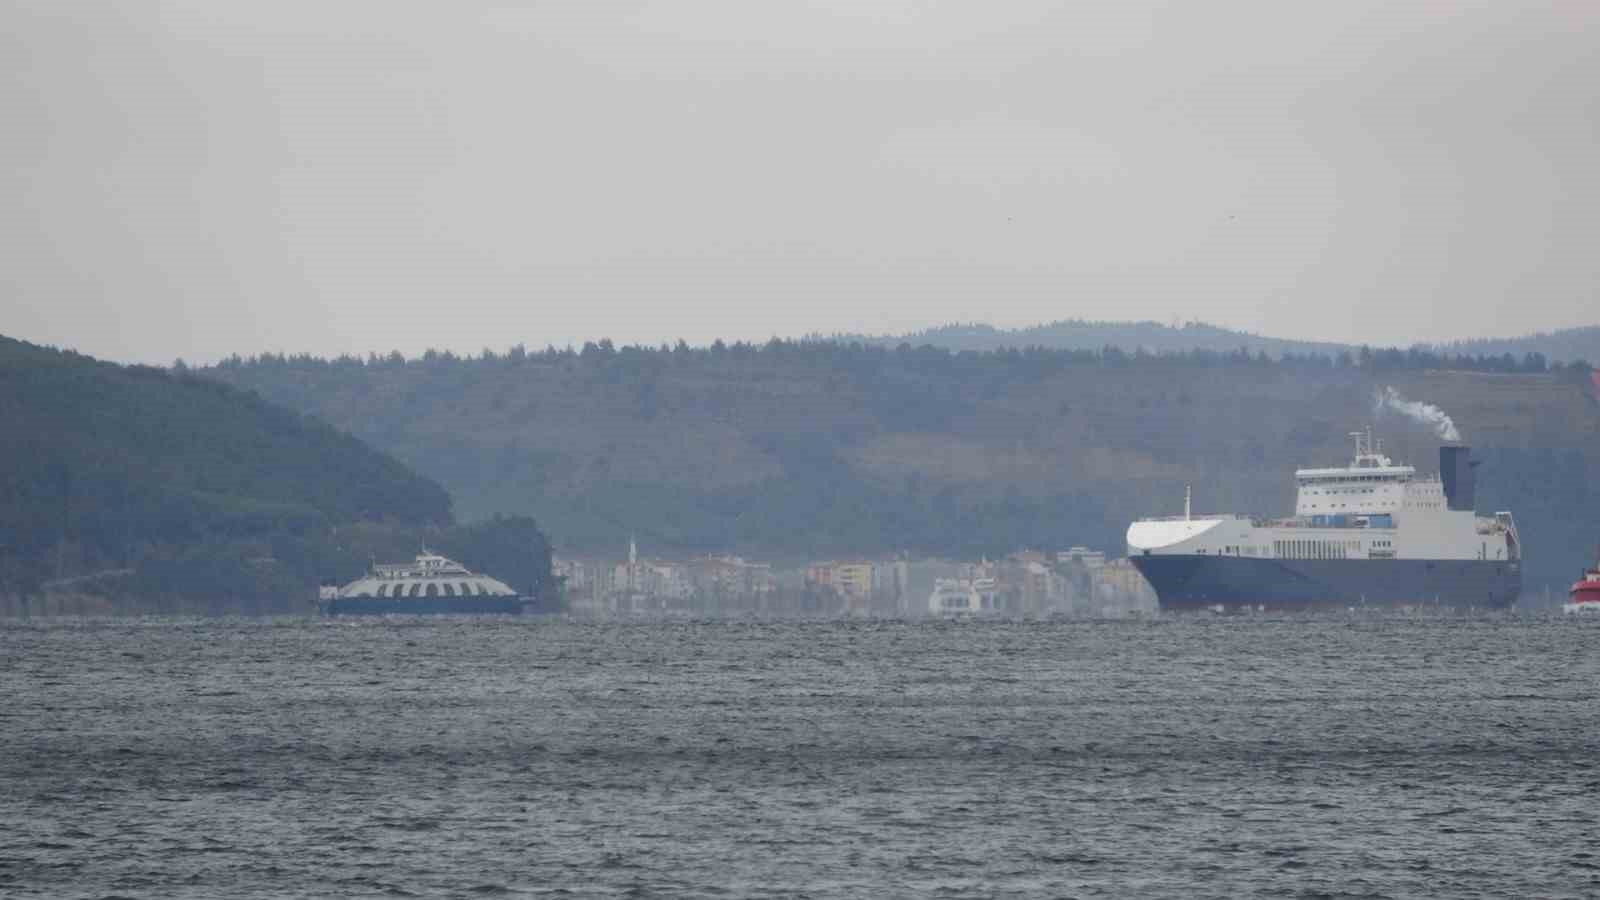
[[1426, 413]]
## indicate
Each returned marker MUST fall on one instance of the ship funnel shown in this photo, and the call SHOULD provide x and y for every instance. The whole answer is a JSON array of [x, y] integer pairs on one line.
[[1455, 470]]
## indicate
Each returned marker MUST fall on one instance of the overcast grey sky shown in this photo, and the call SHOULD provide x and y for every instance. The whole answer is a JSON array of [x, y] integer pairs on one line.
[[199, 178]]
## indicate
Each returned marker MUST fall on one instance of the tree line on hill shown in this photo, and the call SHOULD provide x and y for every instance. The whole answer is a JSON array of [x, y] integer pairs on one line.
[[1566, 345], [858, 355]]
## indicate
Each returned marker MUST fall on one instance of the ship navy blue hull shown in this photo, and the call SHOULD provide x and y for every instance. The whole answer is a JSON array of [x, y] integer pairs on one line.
[[1197, 582], [413, 606]]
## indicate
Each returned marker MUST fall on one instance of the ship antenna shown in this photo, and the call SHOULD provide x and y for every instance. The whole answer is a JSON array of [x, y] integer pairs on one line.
[[1186, 503]]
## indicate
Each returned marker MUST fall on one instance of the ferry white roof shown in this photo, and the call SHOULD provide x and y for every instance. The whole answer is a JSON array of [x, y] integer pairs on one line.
[[430, 576]]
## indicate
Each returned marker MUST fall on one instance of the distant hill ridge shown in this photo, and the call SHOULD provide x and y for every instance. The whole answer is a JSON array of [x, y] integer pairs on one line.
[[1566, 345]]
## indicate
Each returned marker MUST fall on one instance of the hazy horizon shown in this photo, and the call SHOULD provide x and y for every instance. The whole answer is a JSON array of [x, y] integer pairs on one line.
[[192, 181]]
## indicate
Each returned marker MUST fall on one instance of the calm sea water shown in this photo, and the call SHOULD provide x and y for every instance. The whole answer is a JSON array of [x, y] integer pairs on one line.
[[1184, 757]]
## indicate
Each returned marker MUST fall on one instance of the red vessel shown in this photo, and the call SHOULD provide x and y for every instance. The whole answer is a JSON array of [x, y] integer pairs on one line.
[[1585, 595]]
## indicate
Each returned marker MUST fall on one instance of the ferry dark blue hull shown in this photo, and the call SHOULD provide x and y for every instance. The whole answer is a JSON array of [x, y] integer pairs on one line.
[[422, 606], [1197, 582]]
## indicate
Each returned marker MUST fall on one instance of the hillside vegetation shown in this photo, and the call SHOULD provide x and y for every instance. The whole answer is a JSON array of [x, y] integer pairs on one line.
[[811, 449], [1564, 346], [151, 489]]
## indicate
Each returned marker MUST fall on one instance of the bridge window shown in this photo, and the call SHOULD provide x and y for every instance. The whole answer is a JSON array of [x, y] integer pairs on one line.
[[433, 589]]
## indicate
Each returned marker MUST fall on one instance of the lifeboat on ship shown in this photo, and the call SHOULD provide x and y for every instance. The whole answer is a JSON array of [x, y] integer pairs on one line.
[[1585, 596]]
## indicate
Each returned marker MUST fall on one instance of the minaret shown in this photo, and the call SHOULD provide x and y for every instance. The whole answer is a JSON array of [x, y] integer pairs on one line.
[[633, 552]]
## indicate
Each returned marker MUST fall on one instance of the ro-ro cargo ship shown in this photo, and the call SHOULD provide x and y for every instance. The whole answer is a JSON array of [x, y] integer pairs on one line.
[[1373, 533]]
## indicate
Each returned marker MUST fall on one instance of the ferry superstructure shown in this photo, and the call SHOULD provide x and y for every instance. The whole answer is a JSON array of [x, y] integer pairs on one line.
[[429, 584], [1373, 533]]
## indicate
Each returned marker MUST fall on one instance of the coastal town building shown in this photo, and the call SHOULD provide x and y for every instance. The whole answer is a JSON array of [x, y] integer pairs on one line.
[[1076, 581], [1091, 559], [852, 581]]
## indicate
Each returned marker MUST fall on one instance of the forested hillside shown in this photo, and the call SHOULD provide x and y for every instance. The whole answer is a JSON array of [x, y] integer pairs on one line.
[[153, 489], [791, 450], [1564, 346]]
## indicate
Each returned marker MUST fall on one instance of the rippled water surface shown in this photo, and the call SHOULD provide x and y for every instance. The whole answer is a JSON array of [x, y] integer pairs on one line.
[[1361, 757]]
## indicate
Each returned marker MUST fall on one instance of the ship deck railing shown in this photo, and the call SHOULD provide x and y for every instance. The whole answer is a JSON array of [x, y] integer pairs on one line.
[[1320, 526], [1483, 526], [383, 572], [1259, 522]]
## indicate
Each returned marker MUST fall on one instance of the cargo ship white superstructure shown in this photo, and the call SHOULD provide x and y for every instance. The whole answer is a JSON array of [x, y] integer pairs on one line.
[[1373, 532]]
